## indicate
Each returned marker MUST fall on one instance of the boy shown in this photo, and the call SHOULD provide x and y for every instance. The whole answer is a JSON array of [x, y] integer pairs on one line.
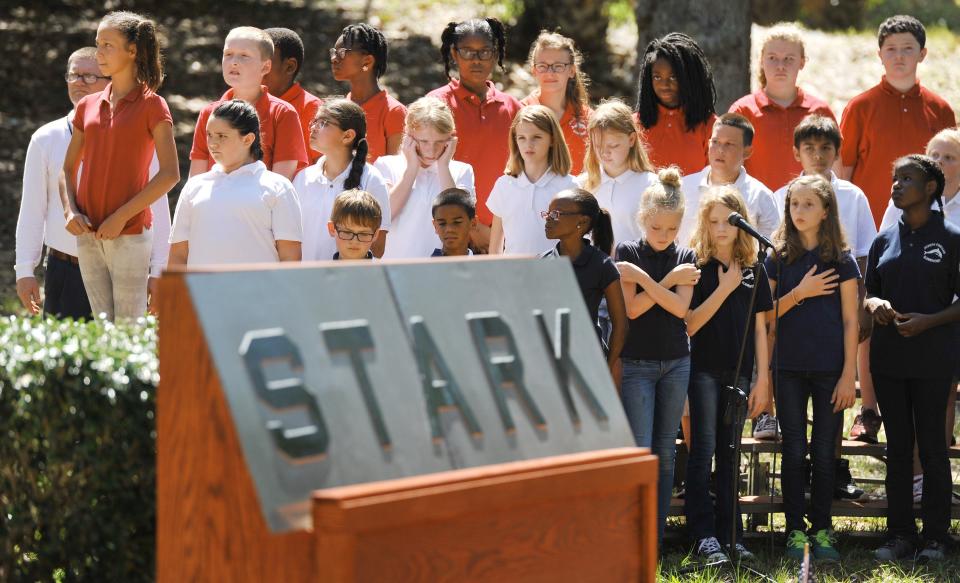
[[281, 80], [892, 119], [247, 54], [454, 217], [354, 223]]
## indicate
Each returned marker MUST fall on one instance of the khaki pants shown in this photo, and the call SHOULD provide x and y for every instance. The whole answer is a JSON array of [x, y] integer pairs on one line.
[[115, 273]]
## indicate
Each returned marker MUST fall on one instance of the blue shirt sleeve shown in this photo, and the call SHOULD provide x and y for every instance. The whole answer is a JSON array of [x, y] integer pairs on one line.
[[770, 266], [608, 273], [872, 278], [848, 268]]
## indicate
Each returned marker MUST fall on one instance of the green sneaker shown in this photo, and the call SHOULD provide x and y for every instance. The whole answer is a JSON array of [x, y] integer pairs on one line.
[[822, 543], [796, 540]]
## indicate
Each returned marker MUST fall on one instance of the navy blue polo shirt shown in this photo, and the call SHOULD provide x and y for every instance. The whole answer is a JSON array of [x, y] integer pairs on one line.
[[916, 271], [716, 345], [810, 335], [595, 272], [656, 334]]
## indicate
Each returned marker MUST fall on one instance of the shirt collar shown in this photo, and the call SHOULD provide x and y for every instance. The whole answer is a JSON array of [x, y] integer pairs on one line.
[[342, 177], [763, 100], [336, 256], [738, 183], [134, 94], [604, 177], [252, 168], [890, 89], [585, 253], [261, 103], [439, 253], [461, 92], [935, 222], [646, 249], [524, 182], [295, 92]]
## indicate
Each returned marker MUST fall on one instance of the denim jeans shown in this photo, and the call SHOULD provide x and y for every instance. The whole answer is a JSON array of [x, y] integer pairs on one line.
[[794, 389], [708, 435], [64, 294], [653, 395], [115, 273]]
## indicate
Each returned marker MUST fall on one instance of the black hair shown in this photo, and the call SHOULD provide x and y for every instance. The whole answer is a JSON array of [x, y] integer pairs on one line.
[[242, 117], [489, 28], [369, 40], [458, 197], [817, 126], [288, 45], [347, 115], [697, 93], [932, 172], [142, 32], [902, 23], [601, 226], [735, 120]]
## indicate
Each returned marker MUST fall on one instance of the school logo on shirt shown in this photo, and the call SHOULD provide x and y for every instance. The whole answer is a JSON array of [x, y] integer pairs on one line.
[[934, 252], [747, 280], [579, 127]]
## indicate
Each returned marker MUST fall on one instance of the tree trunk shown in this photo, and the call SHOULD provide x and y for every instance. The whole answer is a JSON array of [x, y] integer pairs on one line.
[[721, 28]]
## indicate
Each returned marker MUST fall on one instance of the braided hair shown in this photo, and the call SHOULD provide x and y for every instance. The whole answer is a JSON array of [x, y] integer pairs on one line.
[[347, 115], [697, 93], [242, 117], [371, 41], [932, 172], [489, 28]]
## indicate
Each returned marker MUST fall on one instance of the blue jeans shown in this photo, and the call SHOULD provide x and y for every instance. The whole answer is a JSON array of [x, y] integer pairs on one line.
[[708, 435], [653, 393]]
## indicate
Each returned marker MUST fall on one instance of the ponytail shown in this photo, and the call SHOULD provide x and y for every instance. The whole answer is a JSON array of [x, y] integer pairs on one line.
[[347, 115], [602, 233], [600, 228], [356, 167], [142, 33]]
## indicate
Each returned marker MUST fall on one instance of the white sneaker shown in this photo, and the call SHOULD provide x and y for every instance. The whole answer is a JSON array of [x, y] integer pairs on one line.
[[765, 427], [710, 551], [917, 489]]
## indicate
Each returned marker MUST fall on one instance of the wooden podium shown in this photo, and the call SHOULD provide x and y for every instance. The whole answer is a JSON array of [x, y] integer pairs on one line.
[[579, 517]]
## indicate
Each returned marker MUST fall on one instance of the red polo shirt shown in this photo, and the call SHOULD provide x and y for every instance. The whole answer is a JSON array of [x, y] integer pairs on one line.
[[670, 143], [574, 131], [307, 106], [483, 132], [385, 118], [281, 135], [882, 124], [772, 161], [118, 147]]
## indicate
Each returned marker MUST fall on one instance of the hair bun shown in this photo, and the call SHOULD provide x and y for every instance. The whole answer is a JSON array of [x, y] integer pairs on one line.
[[670, 176]]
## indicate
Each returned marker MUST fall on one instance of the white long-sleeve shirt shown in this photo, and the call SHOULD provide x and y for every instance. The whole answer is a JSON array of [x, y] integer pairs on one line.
[[41, 213]]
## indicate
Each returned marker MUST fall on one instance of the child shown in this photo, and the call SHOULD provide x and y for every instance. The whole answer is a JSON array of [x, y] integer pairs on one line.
[[944, 148], [912, 286], [816, 347], [281, 80], [562, 86], [238, 211], [454, 216], [778, 106], [892, 119], [538, 168], [617, 167], [354, 223], [247, 54], [415, 177], [359, 57], [571, 216], [482, 112], [657, 277], [715, 323], [115, 135], [676, 102], [731, 142], [338, 130]]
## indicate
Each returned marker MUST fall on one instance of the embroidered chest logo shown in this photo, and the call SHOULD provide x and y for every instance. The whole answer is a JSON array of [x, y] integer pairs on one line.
[[579, 127], [934, 252], [747, 280]]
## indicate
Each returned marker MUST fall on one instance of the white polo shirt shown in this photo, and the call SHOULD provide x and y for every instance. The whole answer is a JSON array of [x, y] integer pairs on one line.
[[317, 194], [763, 210], [413, 235], [855, 216], [621, 197], [951, 212], [236, 217], [518, 202]]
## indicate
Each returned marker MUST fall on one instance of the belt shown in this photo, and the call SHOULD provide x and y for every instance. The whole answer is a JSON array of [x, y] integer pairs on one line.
[[62, 256]]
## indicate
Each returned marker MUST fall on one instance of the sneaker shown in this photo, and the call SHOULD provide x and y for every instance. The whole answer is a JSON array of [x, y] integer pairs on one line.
[[765, 427], [744, 553], [895, 549], [866, 425], [796, 541], [709, 550], [844, 487], [932, 551], [823, 549], [918, 489]]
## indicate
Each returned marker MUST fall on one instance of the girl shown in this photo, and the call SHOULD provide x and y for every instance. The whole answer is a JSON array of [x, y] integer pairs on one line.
[[777, 107], [657, 278], [539, 168], [359, 57], [676, 102], [816, 352], [912, 285], [482, 112], [238, 212], [338, 130], [617, 168], [715, 323], [571, 216], [562, 86], [424, 168], [115, 135]]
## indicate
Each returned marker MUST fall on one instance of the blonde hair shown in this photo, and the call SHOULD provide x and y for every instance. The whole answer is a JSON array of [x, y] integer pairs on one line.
[[830, 237], [744, 246], [559, 155], [430, 111], [358, 206], [786, 32], [263, 40], [613, 115], [664, 195], [949, 135], [576, 90]]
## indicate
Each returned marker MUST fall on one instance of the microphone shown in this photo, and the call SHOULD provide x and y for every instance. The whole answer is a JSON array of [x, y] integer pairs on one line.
[[737, 220]]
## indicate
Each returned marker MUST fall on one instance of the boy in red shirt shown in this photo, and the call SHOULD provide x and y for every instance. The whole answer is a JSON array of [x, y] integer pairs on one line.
[[281, 80]]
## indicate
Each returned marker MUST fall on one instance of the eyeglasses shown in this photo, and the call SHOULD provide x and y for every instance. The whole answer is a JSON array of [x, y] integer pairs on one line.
[[340, 54], [551, 67], [88, 78], [350, 235], [318, 124], [474, 55], [555, 215]]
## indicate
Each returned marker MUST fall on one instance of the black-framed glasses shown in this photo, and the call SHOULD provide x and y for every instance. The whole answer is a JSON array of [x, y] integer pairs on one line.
[[88, 78], [476, 54], [341, 53], [555, 215], [350, 235], [551, 67]]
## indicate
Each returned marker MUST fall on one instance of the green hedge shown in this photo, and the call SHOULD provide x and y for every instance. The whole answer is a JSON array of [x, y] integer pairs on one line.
[[77, 450]]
